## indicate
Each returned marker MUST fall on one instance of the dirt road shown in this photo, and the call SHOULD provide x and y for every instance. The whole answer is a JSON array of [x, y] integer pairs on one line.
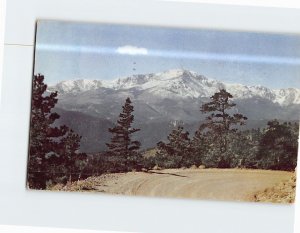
[[221, 184]]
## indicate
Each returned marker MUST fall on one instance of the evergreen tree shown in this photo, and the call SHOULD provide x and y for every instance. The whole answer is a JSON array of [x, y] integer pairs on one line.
[[221, 125], [242, 150], [278, 146], [124, 150], [41, 145], [247, 146], [72, 160], [199, 147], [46, 146], [176, 152]]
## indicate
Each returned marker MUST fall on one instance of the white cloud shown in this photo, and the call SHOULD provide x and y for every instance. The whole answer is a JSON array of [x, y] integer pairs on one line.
[[132, 50]]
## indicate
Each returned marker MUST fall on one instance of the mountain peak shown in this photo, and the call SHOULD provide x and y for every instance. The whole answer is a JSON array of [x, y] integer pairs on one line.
[[179, 73], [76, 86], [178, 84]]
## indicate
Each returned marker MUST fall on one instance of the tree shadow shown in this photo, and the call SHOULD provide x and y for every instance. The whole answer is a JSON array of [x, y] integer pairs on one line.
[[164, 173]]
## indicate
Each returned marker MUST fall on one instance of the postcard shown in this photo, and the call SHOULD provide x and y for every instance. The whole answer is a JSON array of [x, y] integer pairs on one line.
[[164, 112]]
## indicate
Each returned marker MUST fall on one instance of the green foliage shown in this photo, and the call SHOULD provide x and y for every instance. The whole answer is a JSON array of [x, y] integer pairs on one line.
[[54, 155], [176, 152], [278, 146], [122, 147], [50, 148], [199, 147], [219, 143], [220, 126], [220, 123], [69, 162], [246, 148], [96, 165], [42, 133]]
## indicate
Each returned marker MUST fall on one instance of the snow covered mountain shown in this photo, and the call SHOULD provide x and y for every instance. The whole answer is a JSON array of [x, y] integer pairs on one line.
[[90, 107], [179, 84], [76, 86]]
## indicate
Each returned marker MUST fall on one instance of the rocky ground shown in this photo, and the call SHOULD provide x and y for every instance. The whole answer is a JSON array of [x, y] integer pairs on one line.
[[284, 192]]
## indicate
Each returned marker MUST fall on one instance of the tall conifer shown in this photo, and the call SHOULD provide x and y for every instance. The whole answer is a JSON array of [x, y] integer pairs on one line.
[[221, 124], [41, 145], [124, 150], [49, 146], [177, 151]]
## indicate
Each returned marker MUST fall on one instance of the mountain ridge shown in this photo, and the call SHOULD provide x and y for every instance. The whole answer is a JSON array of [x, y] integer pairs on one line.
[[161, 101], [179, 84]]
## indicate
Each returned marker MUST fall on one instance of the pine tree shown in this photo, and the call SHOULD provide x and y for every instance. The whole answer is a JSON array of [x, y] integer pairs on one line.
[[124, 150], [278, 146], [199, 146], [72, 160], [49, 146], [41, 145], [248, 143], [221, 124], [176, 152]]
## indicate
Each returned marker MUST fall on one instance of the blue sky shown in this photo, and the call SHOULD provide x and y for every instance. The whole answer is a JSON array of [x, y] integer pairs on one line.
[[68, 50]]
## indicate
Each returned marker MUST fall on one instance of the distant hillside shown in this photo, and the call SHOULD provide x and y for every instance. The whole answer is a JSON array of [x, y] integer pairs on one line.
[[92, 129], [160, 101]]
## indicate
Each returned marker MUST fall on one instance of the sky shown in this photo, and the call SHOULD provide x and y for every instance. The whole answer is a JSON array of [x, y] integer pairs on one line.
[[71, 50]]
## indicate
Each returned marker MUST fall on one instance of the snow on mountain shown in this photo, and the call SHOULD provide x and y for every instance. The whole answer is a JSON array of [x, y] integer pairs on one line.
[[76, 86], [180, 83]]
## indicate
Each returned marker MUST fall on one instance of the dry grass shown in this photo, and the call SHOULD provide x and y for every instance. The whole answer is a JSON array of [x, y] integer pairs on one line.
[[90, 184], [283, 192]]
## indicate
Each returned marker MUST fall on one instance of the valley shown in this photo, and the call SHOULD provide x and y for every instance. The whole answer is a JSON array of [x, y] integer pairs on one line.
[[162, 101]]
